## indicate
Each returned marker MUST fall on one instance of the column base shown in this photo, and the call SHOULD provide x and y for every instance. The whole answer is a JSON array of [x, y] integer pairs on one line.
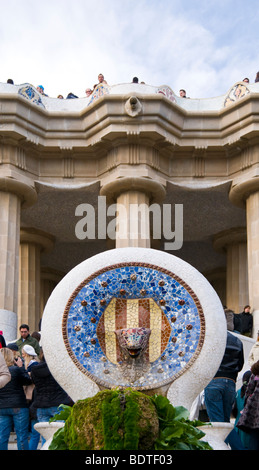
[[8, 324]]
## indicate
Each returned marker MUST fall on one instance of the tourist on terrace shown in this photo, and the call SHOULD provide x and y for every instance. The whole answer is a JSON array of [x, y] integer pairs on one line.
[[135, 80], [257, 77], [101, 79], [71, 96], [246, 80], [40, 89], [88, 91], [182, 93]]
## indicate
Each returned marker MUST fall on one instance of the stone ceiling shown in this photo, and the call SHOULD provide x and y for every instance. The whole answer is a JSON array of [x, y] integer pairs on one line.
[[206, 212]]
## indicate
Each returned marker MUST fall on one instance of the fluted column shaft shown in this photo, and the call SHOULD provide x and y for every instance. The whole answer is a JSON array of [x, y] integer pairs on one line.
[[233, 243], [33, 242], [10, 208], [133, 197], [252, 211], [133, 220]]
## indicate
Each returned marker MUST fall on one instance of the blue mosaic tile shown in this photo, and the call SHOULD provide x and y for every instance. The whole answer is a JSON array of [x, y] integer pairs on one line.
[[30, 94], [174, 302]]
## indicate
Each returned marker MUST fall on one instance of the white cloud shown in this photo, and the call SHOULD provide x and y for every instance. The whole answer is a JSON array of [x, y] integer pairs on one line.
[[63, 44]]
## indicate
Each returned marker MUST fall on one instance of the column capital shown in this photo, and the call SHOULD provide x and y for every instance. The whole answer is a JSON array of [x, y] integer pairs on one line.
[[243, 188], [229, 237], [155, 190], [24, 190], [37, 237]]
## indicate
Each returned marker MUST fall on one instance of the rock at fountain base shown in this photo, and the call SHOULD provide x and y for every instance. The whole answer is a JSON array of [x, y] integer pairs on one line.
[[113, 420]]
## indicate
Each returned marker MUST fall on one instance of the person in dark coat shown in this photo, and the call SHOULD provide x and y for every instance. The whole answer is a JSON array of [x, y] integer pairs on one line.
[[249, 419], [48, 394], [221, 391], [13, 406], [246, 319]]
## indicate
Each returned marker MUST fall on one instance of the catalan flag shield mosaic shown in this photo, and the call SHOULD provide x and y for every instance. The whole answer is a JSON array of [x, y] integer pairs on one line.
[[133, 296], [133, 313]]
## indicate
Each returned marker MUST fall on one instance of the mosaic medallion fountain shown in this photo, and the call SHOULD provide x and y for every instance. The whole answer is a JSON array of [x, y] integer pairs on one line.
[[137, 318], [133, 324]]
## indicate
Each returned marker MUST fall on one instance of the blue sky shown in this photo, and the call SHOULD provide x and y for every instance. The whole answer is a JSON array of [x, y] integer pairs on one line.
[[204, 46]]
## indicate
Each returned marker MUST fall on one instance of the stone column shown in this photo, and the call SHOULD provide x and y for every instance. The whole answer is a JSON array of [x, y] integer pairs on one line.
[[133, 220], [133, 197], [33, 242], [245, 193], [233, 243], [14, 195], [10, 207], [252, 213]]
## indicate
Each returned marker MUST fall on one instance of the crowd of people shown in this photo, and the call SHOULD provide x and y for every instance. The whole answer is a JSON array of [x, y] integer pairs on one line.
[[28, 392], [70, 95], [222, 400], [89, 91]]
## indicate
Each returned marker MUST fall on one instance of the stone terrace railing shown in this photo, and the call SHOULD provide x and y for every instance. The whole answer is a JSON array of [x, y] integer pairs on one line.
[[27, 91]]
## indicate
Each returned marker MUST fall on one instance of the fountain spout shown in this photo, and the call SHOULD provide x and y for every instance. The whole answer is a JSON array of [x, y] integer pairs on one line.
[[133, 343]]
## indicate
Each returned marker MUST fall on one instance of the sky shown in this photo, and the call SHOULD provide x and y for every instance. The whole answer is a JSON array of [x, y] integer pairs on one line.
[[203, 46]]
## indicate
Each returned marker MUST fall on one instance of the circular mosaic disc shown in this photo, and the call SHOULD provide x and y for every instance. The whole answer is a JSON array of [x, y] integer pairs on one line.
[[133, 295]]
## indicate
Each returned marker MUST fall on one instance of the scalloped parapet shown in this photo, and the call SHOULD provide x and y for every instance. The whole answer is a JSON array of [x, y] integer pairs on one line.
[[237, 92]]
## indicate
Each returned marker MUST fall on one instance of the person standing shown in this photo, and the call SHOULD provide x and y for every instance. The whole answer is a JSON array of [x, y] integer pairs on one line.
[[246, 319], [101, 79], [13, 406], [5, 375], [31, 359], [49, 395], [249, 419], [239, 406], [26, 338], [220, 393]]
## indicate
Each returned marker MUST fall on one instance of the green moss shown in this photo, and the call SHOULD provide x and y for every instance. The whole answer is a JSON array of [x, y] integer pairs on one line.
[[112, 420], [83, 428], [127, 420], [131, 422]]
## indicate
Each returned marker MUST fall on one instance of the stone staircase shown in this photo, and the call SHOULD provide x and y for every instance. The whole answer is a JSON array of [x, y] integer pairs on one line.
[[12, 445]]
